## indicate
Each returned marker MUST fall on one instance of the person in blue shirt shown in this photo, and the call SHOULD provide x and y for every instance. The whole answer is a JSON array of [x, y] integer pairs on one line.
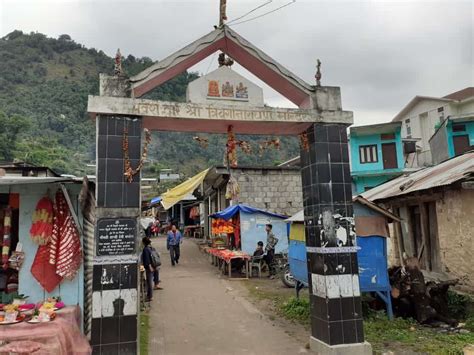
[[172, 244]]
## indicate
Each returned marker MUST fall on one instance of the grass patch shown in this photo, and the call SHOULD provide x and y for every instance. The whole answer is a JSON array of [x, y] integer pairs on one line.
[[296, 309], [406, 335], [399, 335], [144, 332]]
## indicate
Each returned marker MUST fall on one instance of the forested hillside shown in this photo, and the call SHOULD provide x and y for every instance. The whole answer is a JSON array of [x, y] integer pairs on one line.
[[44, 83]]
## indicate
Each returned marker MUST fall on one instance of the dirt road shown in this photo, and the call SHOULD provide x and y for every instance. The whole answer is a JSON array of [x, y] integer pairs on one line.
[[199, 312]]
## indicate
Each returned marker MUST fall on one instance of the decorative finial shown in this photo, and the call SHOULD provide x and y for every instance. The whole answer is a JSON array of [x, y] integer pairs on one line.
[[222, 13], [318, 73], [223, 60], [118, 71]]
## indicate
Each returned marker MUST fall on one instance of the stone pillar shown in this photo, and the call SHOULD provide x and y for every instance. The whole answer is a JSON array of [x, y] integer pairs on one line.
[[115, 284], [336, 315]]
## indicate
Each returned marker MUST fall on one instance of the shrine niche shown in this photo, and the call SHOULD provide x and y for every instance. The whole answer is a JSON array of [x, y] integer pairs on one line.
[[226, 86]]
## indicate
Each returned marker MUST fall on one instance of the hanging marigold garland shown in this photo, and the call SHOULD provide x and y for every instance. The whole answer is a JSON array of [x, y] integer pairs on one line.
[[274, 142], [203, 142], [304, 143], [231, 146], [129, 171]]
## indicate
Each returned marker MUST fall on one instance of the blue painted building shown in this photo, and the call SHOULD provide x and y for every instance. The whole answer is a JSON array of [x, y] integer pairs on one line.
[[376, 153], [453, 137]]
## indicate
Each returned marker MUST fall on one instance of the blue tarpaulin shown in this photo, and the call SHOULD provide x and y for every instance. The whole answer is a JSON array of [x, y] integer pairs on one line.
[[155, 200], [231, 211]]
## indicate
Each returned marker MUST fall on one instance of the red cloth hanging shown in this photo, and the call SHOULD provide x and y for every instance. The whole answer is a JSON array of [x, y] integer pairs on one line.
[[62, 256], [43, 271], [42, 224], [69, 252]]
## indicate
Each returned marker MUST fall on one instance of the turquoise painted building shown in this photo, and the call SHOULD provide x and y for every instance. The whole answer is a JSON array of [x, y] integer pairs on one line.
[[453, 137], [376, 153]]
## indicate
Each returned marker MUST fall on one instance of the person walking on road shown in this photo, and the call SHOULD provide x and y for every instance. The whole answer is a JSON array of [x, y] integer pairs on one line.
[[172, 244], [151, 262]]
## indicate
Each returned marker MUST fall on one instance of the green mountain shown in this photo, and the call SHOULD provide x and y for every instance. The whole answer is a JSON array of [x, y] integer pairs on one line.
[[44, 83]]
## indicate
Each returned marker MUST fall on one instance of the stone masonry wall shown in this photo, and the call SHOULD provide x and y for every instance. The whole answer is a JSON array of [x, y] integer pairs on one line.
[[276, 190], [456, 234]]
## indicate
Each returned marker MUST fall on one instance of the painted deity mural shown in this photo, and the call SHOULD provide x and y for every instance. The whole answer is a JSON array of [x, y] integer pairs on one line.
[[215, 90]]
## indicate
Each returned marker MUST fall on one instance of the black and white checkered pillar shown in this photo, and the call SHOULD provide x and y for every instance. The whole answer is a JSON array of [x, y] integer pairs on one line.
[[336, 315], [115, 285]]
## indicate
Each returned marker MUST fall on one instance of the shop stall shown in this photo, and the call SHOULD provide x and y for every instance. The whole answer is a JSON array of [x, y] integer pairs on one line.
[[41, 269], [235, 232], [242, 227]]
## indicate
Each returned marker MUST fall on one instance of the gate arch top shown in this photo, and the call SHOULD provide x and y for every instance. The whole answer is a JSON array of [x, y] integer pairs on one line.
[[121, 96], [245, 53]]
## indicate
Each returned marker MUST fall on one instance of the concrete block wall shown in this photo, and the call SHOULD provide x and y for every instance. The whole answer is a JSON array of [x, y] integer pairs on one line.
[[278, 190], [456, 235]]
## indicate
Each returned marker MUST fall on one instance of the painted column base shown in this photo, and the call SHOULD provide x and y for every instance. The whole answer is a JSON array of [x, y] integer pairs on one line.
[[319, 347]]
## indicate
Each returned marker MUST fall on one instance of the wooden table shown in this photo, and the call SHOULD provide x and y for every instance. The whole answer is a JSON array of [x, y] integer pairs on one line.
[[221, 257]]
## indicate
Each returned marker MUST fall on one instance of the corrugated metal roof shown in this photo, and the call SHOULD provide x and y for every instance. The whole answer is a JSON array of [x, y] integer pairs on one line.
[[446, 173], [298, 217], [24, 180]]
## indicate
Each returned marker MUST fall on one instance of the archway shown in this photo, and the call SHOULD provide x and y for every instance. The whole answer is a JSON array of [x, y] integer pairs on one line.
[[336, 316]]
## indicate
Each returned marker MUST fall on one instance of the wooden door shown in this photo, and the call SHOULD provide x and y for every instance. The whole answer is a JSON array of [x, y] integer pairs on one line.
[[461, 144], [389, 156]]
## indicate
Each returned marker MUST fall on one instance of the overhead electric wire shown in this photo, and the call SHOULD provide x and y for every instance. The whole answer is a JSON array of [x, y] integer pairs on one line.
[[265, 14], [248, 13]]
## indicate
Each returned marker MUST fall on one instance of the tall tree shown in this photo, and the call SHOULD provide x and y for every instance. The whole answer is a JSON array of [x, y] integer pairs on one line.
[[11, 128]]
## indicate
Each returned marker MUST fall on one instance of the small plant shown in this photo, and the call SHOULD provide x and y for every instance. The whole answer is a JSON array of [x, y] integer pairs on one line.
[[296, 309], [458, 305], [470, 323]]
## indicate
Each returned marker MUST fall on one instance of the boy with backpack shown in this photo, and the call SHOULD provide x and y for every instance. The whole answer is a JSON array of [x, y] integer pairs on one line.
[[151, 262]]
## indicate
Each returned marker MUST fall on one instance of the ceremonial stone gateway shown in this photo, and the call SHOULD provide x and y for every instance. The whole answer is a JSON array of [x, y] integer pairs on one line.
[[221, 99]]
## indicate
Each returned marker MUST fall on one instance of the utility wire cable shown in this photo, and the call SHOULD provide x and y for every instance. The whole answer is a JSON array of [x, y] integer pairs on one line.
[[248, 13], [265, 14]]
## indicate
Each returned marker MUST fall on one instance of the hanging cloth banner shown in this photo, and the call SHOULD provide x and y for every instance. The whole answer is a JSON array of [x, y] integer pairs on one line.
[[43, 271], [42, 226], [7, 225], [69, 251], [61, 257]]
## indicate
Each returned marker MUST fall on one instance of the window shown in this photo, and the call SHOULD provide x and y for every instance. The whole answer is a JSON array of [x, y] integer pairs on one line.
[[408, 128], [459, 127], [368, 154], [387, 136], [441, 114]]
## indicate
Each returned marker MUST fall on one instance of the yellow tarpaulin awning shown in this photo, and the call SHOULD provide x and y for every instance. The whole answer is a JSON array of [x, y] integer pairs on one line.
[[177, 193]]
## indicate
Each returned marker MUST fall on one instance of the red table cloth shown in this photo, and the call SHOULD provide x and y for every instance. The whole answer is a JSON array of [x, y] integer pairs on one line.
[[226, 254], [61, 336]]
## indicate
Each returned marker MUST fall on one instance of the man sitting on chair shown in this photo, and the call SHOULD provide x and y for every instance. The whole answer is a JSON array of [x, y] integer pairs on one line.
[[259, 251]]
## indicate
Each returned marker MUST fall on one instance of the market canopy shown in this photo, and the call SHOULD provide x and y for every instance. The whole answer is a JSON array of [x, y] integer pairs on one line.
[[180, 192], [231, 211]]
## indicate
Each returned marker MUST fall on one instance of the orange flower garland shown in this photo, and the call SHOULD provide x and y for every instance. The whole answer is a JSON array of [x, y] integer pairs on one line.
[[129, 171]]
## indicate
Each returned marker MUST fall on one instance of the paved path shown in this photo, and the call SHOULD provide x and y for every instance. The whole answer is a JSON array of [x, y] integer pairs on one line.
[[200, 313]]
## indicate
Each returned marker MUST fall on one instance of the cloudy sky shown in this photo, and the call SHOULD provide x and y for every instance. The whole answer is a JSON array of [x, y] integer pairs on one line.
[[381, 53]]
